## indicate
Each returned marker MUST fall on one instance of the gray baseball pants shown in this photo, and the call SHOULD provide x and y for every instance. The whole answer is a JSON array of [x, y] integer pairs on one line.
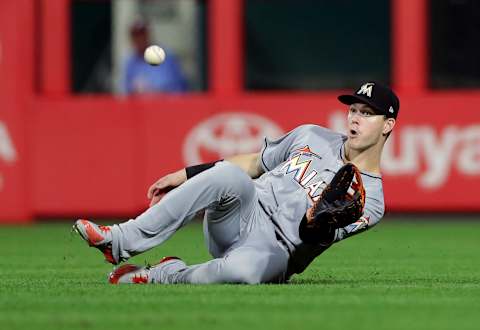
[[238, 233]]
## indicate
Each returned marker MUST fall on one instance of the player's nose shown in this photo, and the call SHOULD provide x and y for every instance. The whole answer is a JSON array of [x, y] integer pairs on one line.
[[353, 118]]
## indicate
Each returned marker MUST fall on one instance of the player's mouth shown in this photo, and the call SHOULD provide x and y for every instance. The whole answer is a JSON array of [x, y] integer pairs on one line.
[[352, 133]]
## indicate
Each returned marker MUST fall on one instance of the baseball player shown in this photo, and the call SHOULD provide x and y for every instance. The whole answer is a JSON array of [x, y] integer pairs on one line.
[[267, 214]]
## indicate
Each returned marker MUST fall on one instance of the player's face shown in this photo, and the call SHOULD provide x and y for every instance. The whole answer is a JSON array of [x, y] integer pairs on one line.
[[365, 128]]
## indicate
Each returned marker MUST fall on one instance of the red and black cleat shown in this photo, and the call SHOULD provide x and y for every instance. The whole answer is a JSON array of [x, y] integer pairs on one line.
[[97, 236], [129, 274], [134, 274]]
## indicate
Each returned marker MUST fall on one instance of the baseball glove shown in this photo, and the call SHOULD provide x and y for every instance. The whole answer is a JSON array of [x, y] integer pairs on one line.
[[340, 204]]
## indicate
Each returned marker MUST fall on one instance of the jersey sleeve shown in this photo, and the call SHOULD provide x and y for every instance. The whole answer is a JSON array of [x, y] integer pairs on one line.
[[372, 214], [275, 152]]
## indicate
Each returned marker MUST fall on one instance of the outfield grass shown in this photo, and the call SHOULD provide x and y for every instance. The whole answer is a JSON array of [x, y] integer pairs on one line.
[[413, 275]]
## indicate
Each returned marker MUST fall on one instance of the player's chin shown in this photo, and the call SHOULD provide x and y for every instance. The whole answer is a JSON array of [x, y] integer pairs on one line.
[[355, 143]]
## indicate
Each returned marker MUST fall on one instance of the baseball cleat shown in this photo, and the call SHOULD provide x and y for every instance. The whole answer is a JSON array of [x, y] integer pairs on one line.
[[134, 274], [97, 236], [129, 274]]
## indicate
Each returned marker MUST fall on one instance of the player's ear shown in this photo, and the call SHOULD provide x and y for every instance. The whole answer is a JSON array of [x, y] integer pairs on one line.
[[388, 126]]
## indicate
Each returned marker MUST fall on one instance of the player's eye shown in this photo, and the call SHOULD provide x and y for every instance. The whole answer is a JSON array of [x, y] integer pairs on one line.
[[366, 113]]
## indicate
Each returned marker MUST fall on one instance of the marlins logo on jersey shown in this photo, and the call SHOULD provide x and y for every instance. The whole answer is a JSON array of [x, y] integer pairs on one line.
[[309, 181]]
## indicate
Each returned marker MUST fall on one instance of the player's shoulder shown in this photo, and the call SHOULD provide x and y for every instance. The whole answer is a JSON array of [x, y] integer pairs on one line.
[[320, 132]]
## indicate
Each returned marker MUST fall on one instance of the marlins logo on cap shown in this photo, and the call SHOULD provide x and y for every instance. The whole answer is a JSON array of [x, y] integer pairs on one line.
[[366, 89]]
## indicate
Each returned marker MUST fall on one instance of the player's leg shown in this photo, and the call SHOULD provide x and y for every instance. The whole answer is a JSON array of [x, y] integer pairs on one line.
[[242, 265], [223, 186], [259, 259], [223, 222]]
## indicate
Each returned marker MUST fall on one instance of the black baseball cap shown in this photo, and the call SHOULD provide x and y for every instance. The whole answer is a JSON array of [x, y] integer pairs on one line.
[[379, 97]]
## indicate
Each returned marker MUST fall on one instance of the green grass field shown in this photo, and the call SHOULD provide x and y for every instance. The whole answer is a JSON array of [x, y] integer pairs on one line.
[[399, 275]]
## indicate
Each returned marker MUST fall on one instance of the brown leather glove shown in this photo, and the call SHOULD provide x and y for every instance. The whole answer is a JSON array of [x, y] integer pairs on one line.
[[340, 204]]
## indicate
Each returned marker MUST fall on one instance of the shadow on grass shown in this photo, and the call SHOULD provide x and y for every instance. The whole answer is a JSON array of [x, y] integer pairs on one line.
[[395, 282]]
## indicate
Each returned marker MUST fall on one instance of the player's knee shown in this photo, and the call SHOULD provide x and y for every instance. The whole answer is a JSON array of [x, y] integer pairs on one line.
[[244, 275], [226, 174], [247, 269], [229, 172], [250, 275]]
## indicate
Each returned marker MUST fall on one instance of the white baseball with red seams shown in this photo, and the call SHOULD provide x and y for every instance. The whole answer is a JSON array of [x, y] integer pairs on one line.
[[154, 55]]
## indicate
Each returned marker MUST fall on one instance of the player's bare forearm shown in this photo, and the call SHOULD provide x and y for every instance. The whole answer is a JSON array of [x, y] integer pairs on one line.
[[250, 163]]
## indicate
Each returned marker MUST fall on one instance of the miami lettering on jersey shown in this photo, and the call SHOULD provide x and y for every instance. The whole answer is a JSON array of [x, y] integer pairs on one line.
[[309, 181]]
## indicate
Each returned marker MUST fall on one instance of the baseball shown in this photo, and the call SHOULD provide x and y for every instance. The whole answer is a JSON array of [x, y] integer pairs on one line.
[[154, 55]]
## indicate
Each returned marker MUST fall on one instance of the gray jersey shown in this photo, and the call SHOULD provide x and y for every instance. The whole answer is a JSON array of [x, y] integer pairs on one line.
[[297, 168]]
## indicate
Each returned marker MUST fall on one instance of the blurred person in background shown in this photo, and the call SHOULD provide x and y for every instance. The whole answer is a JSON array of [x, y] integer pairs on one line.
[[140, 77]]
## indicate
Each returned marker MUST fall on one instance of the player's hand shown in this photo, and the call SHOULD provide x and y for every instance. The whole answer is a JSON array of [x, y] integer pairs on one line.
[[165, 184]]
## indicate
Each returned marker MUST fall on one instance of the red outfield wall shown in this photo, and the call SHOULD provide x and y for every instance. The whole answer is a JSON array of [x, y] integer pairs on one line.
[[98, 156], [64, 155]]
